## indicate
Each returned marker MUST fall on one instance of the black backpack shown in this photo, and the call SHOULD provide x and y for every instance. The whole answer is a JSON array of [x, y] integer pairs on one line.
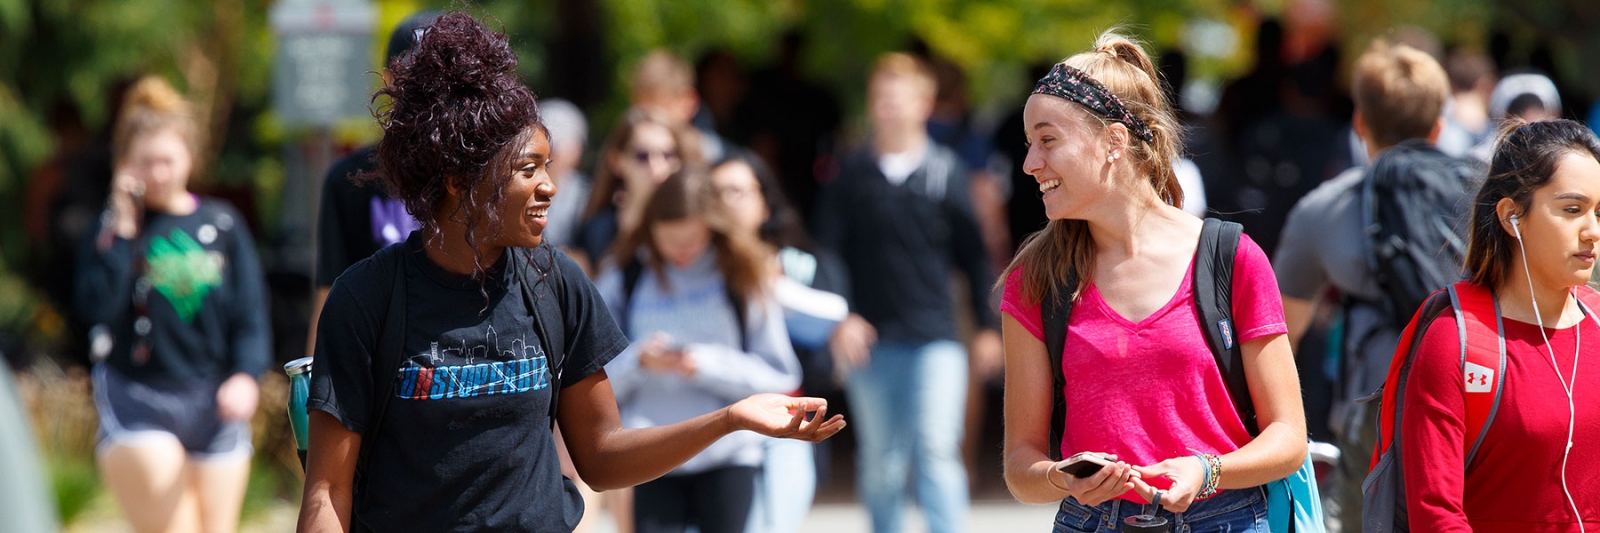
[[1414, 202]]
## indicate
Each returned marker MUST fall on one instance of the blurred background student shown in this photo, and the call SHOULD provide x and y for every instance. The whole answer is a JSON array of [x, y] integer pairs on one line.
[[172, 282], [641, 152], [695, 295], [756, 205]]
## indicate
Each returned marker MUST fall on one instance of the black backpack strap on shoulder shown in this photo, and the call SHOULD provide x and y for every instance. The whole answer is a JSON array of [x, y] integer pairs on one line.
[[545, 308], [1056, 311], [737, 301], [385, 361], [631, 271], [1213, 298]]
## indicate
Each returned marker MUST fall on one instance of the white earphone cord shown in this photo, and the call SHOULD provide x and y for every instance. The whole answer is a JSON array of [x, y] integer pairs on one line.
[[1577, 348]]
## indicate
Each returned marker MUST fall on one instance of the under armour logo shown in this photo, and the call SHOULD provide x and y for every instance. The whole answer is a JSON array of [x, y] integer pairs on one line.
[[1478, 377]]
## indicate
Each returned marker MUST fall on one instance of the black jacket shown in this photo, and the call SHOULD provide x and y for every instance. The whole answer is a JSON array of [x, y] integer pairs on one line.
[[900, 243]]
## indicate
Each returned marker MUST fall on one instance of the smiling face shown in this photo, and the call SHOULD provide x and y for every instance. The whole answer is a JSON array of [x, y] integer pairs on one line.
[[1067, 154], [526, 196], [1560, 227]]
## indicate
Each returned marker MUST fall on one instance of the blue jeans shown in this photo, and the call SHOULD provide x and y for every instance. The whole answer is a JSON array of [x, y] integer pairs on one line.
[[784, 488], [908, 404], [1230, 511]]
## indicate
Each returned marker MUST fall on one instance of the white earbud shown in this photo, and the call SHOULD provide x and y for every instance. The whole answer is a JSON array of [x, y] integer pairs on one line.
[[1515, 225]]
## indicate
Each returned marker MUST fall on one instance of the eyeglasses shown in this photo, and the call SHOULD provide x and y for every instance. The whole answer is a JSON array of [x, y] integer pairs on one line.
[[735, 194], [644, 156]]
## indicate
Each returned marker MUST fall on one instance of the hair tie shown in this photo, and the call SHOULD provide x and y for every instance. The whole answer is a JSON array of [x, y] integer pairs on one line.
[[1072, 84]]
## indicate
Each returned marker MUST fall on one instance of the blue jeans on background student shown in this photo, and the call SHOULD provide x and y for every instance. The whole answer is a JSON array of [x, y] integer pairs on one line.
[[785, 487], [1232, 511], [908, 405]]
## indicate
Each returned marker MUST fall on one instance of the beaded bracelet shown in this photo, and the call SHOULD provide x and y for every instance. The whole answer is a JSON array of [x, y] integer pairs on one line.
[[1213, 476], [1212, 466]]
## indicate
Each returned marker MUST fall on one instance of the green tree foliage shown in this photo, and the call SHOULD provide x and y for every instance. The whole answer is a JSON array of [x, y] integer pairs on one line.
[[70, 54]]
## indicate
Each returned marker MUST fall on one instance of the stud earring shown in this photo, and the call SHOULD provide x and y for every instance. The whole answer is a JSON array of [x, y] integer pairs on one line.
[[1111, 158]]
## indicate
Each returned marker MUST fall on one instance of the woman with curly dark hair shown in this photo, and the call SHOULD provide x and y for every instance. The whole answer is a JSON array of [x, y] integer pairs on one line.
[[443, 362]]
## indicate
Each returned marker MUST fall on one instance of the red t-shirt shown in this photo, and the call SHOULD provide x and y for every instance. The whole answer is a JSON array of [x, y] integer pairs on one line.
[[1149, 391], [1515, 479]]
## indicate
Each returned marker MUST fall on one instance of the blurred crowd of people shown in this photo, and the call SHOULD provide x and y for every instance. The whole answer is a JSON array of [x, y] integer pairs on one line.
[[713, 182]]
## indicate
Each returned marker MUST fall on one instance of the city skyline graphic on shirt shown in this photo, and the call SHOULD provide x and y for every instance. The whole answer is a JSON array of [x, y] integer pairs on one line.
[[485, 369]]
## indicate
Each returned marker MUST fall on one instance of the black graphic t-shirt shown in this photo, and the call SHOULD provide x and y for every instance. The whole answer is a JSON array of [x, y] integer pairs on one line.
[[183, 301], [465, 444]]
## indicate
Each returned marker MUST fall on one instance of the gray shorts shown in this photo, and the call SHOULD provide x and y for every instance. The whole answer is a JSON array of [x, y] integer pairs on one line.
[[131, 411]]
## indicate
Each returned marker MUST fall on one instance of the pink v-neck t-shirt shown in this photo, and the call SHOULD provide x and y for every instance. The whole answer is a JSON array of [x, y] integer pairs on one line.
[[1149, 391]]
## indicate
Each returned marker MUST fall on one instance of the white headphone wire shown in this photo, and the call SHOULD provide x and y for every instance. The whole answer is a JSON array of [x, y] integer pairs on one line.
[[1577, 346]]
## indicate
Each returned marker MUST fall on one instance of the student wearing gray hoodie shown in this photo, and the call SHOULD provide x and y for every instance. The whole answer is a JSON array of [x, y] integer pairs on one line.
[[693, 294]]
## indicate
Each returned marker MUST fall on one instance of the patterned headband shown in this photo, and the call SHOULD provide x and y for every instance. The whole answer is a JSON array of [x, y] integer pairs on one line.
[[1073, 84]]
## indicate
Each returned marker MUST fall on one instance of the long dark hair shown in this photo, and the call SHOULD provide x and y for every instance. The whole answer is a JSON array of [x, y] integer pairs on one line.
[[1525, 159], [689, 194], [456, 117], [783, 227]]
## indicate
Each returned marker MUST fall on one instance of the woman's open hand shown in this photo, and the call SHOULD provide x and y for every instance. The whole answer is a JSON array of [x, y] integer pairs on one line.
[[777, 415]]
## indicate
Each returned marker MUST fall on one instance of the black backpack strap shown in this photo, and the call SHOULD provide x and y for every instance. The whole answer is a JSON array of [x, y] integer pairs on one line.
[[542, 297], [737, 301], [385, 361], [631, 271], [1055, 311], [1213, 299]]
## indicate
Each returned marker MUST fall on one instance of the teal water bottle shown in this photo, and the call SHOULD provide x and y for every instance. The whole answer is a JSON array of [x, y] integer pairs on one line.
[[299, 371]]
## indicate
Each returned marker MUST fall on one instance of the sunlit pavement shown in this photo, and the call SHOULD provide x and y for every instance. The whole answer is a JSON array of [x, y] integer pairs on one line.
[[997, 517]]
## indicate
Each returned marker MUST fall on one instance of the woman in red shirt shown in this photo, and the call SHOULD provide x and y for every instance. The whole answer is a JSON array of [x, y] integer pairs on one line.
[[1532, 241]]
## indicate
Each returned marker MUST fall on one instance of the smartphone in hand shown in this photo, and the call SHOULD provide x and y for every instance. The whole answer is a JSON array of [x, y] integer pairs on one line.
[[1085, 464]]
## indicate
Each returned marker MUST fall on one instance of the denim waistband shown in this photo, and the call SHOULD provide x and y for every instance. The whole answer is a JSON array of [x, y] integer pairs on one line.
[[1114, 511]]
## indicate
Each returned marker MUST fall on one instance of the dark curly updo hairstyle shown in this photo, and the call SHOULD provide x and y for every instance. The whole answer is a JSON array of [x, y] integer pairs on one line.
[[1525, 159], [456, 117]]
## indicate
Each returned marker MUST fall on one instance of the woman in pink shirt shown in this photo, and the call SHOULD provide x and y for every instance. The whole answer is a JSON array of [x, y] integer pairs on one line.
[[1142, 383], [1532, 242]]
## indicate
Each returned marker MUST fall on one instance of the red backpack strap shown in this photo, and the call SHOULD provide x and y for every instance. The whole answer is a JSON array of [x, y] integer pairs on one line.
[[1399, 366], [1483, 359], [1590, 300]]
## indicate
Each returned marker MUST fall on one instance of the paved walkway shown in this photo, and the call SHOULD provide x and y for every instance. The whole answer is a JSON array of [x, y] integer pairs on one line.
[[987, 517]]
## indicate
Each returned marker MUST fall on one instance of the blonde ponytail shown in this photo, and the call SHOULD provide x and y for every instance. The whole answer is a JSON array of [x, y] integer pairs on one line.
[[1064, 246]]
